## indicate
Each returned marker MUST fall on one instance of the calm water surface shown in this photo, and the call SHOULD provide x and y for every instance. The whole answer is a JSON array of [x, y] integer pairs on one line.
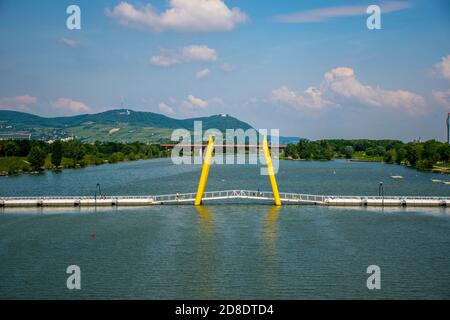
[[225, 250]]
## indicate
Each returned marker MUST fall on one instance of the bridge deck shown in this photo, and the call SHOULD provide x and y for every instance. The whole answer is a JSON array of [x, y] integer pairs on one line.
[[188, 198]]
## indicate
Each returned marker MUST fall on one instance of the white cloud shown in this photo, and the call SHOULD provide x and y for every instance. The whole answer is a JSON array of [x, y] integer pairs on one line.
[[310, 99], [69, 106], [442, 98], [202, 73], [341, 83], [20, 100], [181, 16], [197, 102], [187, 54], [61, 106], [18, 103], [166, 58], [443, 67], [165, 108], [69, 42], [324, 14], [199, 53]]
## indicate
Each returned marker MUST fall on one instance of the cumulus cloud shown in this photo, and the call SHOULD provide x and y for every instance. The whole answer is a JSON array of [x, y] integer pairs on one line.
[[165, 58], [311, 98], [196, 102], [191, 53], [200, 53], [61, 106], [442, 98], [18, 103], [443, 67], [21, 100], [202, 73], [324, 14], [69, 106], [69, 42], [165, 108], [181, 16], [341, 83]]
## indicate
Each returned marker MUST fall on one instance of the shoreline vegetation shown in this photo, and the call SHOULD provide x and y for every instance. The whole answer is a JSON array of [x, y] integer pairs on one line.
[[431, 155], [25, 156], [32, 156]]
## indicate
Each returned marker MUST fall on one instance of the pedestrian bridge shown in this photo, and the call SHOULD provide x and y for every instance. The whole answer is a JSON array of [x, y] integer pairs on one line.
[[201, 195], [252, 196]]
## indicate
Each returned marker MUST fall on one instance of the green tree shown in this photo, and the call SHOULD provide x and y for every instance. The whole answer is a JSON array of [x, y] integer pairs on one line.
[[323, 151], [413, 152], [128, 149], [371, 152], [390, 156], [57, 153], [36, 157], [348, 152], [430, 152], [400, 155], [11, 149], [73, 150], [444, 152], [291, 151], [380, 151], [304, 149]]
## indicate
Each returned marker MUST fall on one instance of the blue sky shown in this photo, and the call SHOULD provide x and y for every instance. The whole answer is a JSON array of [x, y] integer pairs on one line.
[[310, 68]]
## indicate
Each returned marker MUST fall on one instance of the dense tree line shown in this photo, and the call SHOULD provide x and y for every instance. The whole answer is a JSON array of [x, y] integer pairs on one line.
[[37, 155], [421, 155]]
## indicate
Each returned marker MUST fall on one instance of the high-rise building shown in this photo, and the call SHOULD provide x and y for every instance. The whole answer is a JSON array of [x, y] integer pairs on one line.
[[448, 127]]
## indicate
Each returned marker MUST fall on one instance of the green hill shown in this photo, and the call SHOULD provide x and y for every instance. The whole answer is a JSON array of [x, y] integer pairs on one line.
[[122, 125]]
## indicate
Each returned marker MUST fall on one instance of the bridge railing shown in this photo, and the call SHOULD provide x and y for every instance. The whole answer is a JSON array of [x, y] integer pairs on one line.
[[174, 197], [232, 194], [301, 197], [388, 197], [75, 197]]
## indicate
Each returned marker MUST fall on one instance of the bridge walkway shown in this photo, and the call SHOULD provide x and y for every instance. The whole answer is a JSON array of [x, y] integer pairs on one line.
[[189, 198]]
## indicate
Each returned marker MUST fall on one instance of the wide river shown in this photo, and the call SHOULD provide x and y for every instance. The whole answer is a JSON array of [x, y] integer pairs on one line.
[[228, 250]]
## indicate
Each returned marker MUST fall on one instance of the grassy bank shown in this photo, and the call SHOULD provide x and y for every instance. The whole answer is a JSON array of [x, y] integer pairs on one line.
[[18, 165], [14, 165], [360, 155], [29, 156]]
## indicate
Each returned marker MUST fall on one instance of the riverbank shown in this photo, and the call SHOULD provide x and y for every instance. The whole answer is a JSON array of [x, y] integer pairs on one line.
[[428, 156], [19, 165], [443, 168], [17, 157]]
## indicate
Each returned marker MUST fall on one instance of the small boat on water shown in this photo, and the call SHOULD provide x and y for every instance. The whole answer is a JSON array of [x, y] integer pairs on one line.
[[396, 177], [436, 180], [445, 182]]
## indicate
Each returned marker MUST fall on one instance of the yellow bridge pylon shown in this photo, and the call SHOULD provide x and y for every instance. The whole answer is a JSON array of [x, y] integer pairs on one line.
[[271, 173], [205, 172], [207, 164]]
